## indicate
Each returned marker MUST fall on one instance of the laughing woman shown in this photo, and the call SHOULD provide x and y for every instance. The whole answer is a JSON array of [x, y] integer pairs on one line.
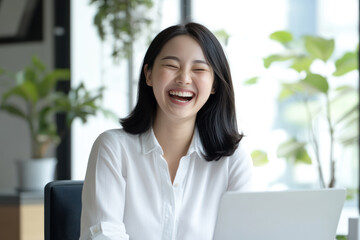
[[163, 174]]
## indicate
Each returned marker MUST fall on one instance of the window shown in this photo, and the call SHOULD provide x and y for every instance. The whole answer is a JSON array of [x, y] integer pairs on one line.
[[249, 25], [92, 64]]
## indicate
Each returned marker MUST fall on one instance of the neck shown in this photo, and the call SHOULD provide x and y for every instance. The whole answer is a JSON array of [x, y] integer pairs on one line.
[[174, 137]]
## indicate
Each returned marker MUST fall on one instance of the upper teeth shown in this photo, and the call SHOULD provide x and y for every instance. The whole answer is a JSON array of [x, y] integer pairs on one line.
[[181, 94]]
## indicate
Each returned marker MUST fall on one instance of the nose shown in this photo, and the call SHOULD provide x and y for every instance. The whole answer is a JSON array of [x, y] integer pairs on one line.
[[184, 77]]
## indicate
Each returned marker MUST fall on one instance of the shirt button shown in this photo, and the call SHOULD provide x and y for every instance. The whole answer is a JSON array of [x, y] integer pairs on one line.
[[176, 185], [95, 229]]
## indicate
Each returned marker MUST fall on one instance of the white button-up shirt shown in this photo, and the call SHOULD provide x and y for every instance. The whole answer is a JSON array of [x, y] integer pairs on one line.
[[128, 192]]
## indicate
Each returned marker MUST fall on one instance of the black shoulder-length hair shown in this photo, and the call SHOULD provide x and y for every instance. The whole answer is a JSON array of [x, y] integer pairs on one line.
[[216, 120]]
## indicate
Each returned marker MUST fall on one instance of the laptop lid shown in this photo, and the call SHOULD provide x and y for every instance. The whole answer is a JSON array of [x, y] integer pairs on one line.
[[283, 215]]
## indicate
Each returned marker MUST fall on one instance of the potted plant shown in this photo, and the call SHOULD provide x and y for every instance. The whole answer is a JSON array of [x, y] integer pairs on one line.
[[32, 96], [322, 105]]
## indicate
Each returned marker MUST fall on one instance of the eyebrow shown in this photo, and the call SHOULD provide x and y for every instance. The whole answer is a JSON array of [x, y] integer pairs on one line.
[[178, 60]]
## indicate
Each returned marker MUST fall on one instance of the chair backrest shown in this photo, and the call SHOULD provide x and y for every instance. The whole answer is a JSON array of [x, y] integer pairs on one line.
[[63, 210]]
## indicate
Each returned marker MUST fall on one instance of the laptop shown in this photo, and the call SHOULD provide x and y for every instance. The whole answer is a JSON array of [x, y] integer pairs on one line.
[[281, 215]]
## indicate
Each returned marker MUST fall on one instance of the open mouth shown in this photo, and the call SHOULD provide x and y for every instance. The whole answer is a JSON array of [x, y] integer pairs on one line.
[[180, 96]]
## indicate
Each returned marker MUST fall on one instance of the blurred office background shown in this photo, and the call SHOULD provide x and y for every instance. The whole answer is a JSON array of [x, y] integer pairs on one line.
[[248, 25], [70, 39]]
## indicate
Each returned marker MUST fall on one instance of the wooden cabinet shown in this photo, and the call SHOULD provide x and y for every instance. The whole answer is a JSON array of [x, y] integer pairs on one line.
[[21, 216]]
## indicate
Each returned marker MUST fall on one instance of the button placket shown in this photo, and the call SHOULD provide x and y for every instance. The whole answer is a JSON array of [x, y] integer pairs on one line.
[[168, 200], [178, 189]]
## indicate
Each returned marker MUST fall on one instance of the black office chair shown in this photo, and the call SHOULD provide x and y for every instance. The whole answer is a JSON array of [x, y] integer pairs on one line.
[[63, 210]]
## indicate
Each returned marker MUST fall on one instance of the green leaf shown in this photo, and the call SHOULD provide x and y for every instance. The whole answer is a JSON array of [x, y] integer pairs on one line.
[[341, 237], [275, 58], [345, 88], [290, 89], [30, 91], [259, 158], [302, 156], [38, 65], [222, 35], [282, 37], [48, 83], [13, 110], [288, 148], [251, 81], [294, 150], [98, 19], [351, 193], [47, 127], [30, 75], [285, 93], [27, 91], [19, 77], [319, 47], [316, 82], [302, 63], [347, 63]]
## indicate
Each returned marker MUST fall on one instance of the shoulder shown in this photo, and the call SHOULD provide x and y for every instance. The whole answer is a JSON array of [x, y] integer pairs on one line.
[[240, 160], [114, 133], [115, 136], [115, 140], [240, 169], [241, 153], [113, 146], [107, 154]]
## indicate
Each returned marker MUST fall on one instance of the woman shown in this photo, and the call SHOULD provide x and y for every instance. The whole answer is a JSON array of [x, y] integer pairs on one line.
[[162, 175]]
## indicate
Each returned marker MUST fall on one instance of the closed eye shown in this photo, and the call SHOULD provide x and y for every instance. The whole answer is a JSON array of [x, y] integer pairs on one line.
[[170, 66], [200, 67], [200, 70]]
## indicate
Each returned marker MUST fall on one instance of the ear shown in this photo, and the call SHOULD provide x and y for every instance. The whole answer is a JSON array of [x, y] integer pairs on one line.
[[147, 73], [213, 89]]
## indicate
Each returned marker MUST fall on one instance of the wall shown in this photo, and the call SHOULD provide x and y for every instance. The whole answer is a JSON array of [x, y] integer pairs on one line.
[[14, 136]]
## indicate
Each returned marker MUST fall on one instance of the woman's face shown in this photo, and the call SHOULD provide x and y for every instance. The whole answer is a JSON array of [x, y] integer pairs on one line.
[[181, 78]]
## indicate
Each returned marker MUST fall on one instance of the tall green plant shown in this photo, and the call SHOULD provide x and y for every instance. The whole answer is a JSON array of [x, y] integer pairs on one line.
[[32, 96], [323, 96], [123, 21]]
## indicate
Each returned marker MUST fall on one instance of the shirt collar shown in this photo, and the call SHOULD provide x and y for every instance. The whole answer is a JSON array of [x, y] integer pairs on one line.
[[149, 143], [196, 146]]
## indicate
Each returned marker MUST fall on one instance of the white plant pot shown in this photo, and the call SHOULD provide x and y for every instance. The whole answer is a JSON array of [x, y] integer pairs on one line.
[[34, 174]]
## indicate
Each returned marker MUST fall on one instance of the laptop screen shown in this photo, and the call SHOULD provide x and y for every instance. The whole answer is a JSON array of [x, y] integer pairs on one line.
[[283, 215]]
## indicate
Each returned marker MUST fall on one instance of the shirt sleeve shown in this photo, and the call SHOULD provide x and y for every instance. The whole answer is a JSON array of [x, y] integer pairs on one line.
[[103, 195], [240, 170]]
